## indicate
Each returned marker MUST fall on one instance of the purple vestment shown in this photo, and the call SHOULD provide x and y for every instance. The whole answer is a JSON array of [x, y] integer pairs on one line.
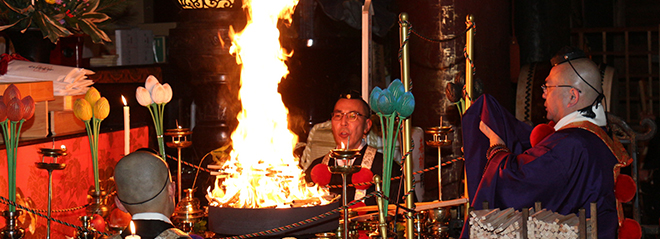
[[566, 171]]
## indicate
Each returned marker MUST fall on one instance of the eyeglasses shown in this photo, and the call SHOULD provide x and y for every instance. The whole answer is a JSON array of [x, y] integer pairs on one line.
[[351, 115], [545, 87]]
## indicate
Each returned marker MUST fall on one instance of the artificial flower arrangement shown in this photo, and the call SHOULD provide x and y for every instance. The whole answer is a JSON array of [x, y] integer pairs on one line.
[[60, 18], [92, 110], [155, 96], [14, 111], [392, 105]]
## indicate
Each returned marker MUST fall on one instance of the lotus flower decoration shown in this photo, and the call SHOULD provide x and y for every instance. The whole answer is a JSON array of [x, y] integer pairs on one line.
[[155, 96], [392, 105], [92, 110], [14, 111]]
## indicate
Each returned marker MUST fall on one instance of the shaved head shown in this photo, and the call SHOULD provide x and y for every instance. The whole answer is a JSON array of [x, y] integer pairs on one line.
[[143, 184], [590, 73]]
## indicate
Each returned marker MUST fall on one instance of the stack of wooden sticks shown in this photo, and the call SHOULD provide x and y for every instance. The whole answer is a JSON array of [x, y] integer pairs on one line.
[[508, 223]]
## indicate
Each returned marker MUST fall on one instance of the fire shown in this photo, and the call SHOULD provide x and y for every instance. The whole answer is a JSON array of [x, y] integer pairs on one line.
[[262, 171]]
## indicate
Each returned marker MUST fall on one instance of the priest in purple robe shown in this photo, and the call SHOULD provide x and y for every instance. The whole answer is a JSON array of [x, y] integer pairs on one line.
[[566, 164]]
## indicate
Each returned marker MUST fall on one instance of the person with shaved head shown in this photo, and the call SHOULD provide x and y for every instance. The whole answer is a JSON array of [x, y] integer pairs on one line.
[[146, 191], [566, 164]]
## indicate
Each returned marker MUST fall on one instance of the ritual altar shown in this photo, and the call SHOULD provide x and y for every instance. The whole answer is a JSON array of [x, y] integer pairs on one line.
[[70, 185]]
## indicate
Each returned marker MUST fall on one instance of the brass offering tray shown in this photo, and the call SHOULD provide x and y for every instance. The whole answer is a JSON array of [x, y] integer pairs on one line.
[[345, 169], [439, 134], [344, 153], [439, 143], [51, 166], [49, 152], [439, 130], [180, 134]]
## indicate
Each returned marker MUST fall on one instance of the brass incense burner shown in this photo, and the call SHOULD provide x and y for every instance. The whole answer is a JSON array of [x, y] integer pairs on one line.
[[188, 211]]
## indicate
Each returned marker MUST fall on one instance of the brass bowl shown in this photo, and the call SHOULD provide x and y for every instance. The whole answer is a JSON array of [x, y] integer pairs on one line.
[[439, 216], [344, 153], [439, 143], [52, 152], [345, 169], [439, 130]]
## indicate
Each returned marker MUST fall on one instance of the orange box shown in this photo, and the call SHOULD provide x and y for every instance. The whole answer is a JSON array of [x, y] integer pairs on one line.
[[64, 122], [39, 90], [63, 102]]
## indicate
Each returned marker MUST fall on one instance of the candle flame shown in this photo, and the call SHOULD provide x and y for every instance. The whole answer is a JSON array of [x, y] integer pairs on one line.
[[63, 147], [123, 99], [343, 146], [132, 226]]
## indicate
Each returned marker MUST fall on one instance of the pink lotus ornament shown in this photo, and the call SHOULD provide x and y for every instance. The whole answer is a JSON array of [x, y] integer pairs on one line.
[[143, 97], [155, 96], [151, 82]]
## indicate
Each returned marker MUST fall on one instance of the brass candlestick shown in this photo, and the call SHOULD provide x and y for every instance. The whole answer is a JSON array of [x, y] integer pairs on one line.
[[179, 141], [345, 155], [440, 138], [53, 165]]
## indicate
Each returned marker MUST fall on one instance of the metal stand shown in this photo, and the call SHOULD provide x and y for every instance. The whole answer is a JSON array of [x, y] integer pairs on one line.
[[346, 155], [54, 165], [439, 139], [11, 230], [179, 141]]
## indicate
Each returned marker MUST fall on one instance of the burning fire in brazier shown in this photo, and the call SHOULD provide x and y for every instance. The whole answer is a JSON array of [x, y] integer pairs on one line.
[[262, 171]]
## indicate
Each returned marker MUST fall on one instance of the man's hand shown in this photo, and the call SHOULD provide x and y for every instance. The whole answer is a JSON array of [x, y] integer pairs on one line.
[[492, 136]]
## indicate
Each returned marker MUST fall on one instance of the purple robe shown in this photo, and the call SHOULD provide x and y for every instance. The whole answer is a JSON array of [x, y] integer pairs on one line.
[[566, 171]]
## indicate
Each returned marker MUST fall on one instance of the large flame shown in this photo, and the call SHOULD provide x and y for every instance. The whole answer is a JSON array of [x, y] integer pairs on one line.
[[262, 171]]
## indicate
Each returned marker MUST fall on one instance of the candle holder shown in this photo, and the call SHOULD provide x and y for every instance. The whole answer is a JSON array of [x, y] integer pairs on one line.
[[345, 155], [51, 166], [179, 141], [440, 139], [11, 230], [188, 212]]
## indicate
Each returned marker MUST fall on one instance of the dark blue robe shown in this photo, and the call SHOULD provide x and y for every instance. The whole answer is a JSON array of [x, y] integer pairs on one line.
[[566, 171]]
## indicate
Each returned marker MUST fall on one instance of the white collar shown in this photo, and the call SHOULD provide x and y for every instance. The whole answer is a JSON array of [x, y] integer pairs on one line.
[[151, 216], [576, 116]]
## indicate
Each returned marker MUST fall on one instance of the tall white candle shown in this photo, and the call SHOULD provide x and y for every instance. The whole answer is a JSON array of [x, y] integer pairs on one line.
[[127, 127]]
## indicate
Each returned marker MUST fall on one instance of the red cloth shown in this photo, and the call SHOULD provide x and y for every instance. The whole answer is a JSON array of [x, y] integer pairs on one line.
[[6, 58], [71, 185]]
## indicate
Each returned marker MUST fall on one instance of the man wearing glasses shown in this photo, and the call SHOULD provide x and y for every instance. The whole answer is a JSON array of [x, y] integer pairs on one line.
[[350, 125], [566, 164]]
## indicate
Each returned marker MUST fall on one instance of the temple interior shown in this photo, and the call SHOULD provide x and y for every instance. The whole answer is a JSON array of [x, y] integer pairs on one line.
[[445, 53]]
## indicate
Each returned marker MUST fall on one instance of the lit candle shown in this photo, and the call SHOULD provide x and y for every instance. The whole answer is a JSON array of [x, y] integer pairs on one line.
[[132, 236], [127, 127]]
